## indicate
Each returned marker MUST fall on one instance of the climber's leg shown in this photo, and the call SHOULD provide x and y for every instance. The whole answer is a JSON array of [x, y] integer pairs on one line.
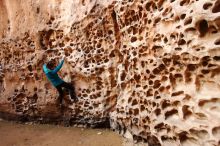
[[60, 97], [71, 90]]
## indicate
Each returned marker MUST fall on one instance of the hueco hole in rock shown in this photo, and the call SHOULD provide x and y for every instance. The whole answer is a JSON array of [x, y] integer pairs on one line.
[[148, 69]]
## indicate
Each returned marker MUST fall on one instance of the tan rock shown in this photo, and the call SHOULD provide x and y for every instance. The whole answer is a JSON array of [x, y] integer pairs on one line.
[[151, 67]]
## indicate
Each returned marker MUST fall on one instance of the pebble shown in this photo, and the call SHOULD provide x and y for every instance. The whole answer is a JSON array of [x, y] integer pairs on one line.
[[99, 133]]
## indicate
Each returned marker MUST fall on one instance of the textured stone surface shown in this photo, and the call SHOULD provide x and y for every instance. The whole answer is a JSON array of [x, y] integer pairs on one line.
[[151, 67]]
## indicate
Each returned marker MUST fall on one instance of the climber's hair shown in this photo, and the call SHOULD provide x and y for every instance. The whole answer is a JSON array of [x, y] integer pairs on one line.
[[51, 64]]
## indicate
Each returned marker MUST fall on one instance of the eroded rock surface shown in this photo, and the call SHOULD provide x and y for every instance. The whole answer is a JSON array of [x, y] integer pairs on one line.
[[151, 67]]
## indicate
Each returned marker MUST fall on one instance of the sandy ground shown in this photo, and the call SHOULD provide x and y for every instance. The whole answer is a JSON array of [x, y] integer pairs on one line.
[[13, 134]]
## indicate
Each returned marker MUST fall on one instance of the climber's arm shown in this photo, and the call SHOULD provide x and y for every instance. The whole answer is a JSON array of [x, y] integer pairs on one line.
[[45, 68], [58, 67]]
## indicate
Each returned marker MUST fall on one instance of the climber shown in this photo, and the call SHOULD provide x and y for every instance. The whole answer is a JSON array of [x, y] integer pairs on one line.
[[51, 72]]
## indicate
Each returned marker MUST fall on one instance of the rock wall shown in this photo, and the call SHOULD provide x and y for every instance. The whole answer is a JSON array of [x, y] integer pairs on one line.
[[150, 67]]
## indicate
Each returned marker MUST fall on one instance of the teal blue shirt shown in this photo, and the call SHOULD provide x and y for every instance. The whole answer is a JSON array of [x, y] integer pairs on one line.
[[52, 74]]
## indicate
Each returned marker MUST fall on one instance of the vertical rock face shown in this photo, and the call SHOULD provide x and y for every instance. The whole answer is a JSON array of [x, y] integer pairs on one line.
[[30, 16], [152, 67]]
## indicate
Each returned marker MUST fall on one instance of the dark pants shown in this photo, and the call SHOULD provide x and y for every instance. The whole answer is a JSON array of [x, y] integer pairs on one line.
[[69, 87]]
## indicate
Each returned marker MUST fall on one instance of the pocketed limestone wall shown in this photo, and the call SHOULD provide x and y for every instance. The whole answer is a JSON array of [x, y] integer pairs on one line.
[[150, 67]]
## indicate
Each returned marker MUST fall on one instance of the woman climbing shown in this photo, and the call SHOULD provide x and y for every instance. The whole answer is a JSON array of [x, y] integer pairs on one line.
[[51, 72]]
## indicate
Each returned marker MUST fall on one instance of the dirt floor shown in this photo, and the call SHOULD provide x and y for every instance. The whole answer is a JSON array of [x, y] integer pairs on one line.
[[13, 134]]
